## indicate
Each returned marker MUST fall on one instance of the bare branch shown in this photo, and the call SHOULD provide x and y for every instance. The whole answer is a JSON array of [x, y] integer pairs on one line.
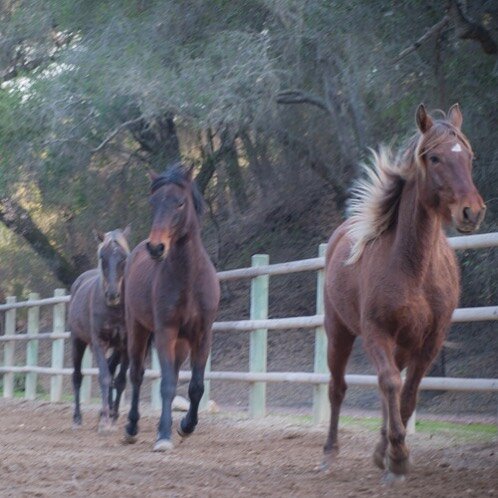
[[301, 97], [436, 29], [113, 133]]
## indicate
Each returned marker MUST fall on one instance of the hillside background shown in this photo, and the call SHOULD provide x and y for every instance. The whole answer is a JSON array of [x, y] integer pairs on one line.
[[275, 102]]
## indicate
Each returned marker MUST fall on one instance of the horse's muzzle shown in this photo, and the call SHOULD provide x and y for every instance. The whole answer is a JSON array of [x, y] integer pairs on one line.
[[157, 251], [113, 299], [470, 219]]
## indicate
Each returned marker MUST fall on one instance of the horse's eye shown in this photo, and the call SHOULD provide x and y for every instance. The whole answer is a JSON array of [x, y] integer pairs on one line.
[[434, 159], [181, 205]]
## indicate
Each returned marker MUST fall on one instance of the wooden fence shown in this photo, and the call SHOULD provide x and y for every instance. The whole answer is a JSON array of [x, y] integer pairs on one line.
[[258, 326]]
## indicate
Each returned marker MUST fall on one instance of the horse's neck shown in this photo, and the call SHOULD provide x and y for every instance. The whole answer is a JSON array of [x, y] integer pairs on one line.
[[418, 232], [184, 259]]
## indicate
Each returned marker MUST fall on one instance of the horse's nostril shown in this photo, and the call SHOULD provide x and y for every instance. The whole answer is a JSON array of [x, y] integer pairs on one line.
[[467, 214], [155, 251]]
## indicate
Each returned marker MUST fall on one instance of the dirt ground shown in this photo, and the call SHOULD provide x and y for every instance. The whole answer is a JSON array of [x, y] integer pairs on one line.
[[227, 456]]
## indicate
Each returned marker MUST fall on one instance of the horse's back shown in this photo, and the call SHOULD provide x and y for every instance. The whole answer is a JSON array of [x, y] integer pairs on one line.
[[79, 304], [341, 280]]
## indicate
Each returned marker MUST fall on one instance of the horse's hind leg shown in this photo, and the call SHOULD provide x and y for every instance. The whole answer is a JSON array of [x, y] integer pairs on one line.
[[105, 386], [380, 348], [112, 363], [78, 349], [119, 384], [340, 344], [138, 341], [199, 356], [417, 367]]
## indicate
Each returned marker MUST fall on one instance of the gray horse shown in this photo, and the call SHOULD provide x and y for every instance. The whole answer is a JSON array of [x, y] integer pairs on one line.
[[96, 318]]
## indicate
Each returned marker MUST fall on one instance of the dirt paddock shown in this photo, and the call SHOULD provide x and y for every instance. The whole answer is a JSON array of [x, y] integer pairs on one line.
[[227, 456]]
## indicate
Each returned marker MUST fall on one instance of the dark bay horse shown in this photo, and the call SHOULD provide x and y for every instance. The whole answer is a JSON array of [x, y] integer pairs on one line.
[[96, 318], [392, 277], [172, 292]]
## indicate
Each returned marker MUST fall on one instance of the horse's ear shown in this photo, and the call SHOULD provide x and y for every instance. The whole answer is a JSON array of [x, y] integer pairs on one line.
[[99, 236], [190, 172], [152, 175], [126, 231], [424, 121], [455, 116]]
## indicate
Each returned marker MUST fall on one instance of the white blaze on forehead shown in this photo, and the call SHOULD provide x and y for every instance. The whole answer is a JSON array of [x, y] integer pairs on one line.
[[457, 148]]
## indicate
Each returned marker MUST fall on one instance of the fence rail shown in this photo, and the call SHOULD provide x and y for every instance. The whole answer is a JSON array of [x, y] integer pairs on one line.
[[258, 326]]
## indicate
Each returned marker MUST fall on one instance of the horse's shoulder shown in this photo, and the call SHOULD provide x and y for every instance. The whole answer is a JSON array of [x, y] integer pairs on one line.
[[136, 255], [85, 278]]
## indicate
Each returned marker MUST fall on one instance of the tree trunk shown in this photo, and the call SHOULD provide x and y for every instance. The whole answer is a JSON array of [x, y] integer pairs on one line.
[[158, 138], [17, 219], [260, 170], [230, 158]]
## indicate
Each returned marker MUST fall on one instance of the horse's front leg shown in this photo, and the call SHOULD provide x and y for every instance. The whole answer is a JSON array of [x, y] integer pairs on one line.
[[198, 360], [380, 348], [401, 357], [165, 340]]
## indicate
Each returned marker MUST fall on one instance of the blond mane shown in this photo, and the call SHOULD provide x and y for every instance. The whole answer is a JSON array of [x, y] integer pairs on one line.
[[375, 198]]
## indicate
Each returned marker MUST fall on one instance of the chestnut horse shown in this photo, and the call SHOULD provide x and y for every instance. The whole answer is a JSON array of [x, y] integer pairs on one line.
[[172, 292], [96, 318], [391, 276]]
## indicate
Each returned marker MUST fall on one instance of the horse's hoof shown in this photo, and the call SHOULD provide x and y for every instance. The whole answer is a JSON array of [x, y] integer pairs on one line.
[[398, 467], [76, 426], [163, 445], [182, 434], [181, 429], [106, 429], [378, 460], [328, 460], [128, 439], [391, 479]]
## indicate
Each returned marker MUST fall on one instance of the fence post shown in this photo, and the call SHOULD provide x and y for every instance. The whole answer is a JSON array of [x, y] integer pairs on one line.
[[86, 385], [59, 325], [9, 349], [32, 347], [321, 404], [155, 394], [203, 405], [258, 338]]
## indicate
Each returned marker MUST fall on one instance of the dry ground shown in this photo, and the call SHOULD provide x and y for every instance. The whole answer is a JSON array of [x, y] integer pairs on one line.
[[228, 456]]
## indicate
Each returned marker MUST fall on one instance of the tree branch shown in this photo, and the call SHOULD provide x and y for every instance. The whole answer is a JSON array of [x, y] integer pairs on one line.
[[17, 219], [113, 133], [301, 97], [436, 29]]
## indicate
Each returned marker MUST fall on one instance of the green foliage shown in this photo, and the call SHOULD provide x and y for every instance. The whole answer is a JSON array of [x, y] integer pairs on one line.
[[90, 67]]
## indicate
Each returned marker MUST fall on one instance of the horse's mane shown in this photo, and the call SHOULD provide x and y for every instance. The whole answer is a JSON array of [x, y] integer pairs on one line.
[[116, 236], [374, 203], [179, 175]]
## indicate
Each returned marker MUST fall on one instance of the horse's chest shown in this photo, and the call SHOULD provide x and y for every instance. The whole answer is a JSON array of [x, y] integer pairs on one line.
[[111, 327]]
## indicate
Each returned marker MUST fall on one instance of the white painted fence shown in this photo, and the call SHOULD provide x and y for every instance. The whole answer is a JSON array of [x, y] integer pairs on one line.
[[258, 326]]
